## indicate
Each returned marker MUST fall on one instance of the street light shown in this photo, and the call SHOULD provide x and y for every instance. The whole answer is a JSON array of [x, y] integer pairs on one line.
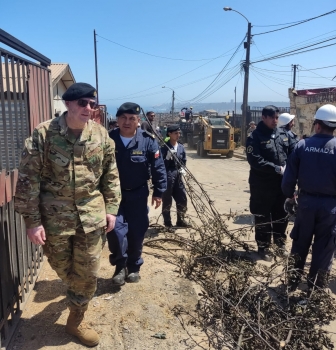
[[246, 80], [173, 98]]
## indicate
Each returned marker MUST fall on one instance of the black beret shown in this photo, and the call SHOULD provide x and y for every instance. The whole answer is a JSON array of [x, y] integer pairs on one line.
[[79, 90], [172, 128], [128, 107]]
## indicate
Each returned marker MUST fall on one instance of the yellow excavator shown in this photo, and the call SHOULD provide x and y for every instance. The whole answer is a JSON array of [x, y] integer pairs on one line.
[[216, 136]]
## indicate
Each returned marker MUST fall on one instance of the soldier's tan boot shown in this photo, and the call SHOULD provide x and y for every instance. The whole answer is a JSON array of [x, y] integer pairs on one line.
[[77, 327]]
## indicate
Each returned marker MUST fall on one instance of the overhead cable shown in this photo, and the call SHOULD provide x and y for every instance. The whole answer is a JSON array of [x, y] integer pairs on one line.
[[158, 56], [168, 81], [293, 52], [220, 73], [296, 24]]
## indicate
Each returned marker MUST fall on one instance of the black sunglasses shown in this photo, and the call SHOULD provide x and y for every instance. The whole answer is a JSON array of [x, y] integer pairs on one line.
[[84, 103]]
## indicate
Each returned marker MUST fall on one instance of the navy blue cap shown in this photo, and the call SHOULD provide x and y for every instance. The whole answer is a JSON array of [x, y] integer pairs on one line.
[[128, 107], [79, 90], [172, 128]]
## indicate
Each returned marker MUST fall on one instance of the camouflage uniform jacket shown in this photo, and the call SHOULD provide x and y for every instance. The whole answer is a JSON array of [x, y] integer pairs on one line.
[[64, 181]]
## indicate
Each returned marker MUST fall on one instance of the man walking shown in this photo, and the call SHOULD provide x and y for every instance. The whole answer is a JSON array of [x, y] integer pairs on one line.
[[313, 166], [136, 149], [267, 151], [68, 193]]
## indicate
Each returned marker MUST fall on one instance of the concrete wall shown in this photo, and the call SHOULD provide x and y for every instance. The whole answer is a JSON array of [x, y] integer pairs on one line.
[[305, 107], [58, 91]]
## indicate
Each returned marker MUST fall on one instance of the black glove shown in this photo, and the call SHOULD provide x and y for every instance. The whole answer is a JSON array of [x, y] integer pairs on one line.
[[290, 206]]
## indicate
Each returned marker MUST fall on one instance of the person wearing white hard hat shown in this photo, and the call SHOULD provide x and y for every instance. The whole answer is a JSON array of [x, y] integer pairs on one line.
[[312, 166], [286, 123]]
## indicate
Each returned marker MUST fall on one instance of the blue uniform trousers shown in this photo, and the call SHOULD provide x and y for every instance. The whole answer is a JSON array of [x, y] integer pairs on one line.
[[175, 189], [125, 241], [315, 219]]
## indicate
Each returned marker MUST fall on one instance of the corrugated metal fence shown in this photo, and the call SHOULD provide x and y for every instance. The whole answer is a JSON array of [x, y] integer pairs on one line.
[[24, 102]]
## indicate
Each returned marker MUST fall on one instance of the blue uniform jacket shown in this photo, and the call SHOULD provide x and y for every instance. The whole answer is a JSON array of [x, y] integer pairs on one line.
[[133, 162], [292, 138], [266, 150], [313, 164], [181, 155]]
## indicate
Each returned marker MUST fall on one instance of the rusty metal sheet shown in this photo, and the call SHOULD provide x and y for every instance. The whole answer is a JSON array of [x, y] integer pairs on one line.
[[8, 190], [14, 176], [2, 188]]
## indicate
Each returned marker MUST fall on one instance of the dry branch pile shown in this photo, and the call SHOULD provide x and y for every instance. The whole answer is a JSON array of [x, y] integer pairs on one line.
[[243, 304]]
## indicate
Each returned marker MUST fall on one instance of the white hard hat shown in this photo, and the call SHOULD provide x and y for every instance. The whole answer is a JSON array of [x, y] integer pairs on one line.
[[327, 114], [157, 128], [285, 118]]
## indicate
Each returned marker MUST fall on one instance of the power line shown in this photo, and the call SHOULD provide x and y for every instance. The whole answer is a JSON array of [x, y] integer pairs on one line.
[[168, 81], [289, 73], [215, 89], [284, 82], [319, 75], [220, 73], [157, 56], [296, 45], [275, 25], [334, 65], [296, 24], [302, 70], [268, 86], [295, 52]]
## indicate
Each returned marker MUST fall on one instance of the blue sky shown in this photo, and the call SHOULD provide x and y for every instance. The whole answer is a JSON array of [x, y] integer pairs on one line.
[[187, 29]]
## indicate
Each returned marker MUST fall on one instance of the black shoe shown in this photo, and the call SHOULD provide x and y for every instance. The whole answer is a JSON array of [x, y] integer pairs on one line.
[[118, 278], [265, 254], [168, 224], [133, 277], [182, 223]]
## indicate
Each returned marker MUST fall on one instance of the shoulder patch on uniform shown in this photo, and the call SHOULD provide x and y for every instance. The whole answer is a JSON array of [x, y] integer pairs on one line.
[[249, 149], [157, 154], [149, 134], [285, 139]]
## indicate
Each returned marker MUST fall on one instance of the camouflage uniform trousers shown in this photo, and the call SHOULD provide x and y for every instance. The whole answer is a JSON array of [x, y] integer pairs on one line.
[[76, 259]]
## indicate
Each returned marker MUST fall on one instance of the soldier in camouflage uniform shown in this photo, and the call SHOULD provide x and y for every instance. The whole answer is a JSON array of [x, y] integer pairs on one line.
[[68, 193]]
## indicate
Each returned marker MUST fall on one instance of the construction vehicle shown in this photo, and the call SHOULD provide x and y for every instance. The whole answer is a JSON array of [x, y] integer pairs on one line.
[[215, 136]]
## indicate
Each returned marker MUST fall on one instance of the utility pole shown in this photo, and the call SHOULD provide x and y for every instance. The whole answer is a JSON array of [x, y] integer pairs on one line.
[[295, 66], [246, 82], [96, 64], [173, 99]]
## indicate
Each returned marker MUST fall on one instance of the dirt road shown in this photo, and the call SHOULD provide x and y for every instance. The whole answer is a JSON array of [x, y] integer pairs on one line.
[[129, 317]]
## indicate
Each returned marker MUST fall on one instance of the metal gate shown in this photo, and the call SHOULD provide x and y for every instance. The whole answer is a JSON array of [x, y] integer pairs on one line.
[[25, 101]]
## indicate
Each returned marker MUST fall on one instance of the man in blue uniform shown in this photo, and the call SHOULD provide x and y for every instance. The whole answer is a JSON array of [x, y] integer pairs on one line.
[[267, 151], [313, 166], [175, 186], [136, 149], [286, 123]]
